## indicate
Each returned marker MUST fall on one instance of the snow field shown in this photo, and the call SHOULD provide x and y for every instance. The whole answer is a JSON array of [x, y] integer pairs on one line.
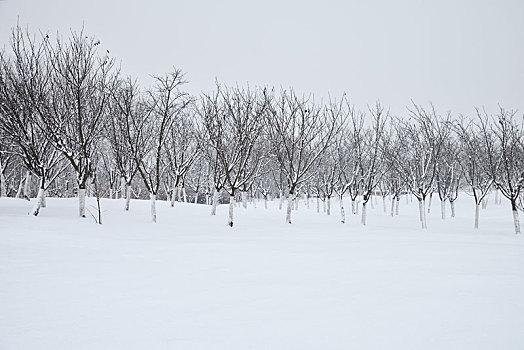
[[191, 282]]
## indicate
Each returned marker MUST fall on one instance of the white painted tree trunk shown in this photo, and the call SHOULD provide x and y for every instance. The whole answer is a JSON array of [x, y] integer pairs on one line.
[[307, 201], [280, 201], [477, 211], [443, 209], [173, 195], [296, 203], [324, 205], [452, 206], [328, 205], [342, 212], [179, 193], [516, 221], [371, 201], [184, 194], [420, 210], [318, 205], [231, 205], [3, 187], [364, 213], [196, 197], [110, 193], [27, 185], [384, 204], [214, 204], [38, 202], [123, 190], [44, 199], [152, 198], [353, 206], [82, 202], [392, 206], [289, 207], [127, 191], [429, 203], [397, 205], [244, 199], [265, 202], [422, 207], [20, 186]]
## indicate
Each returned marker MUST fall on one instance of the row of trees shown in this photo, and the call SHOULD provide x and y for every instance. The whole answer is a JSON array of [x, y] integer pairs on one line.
[[67, 115]]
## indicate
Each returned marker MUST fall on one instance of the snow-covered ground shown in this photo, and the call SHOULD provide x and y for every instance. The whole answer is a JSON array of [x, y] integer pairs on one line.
[[190, 282]]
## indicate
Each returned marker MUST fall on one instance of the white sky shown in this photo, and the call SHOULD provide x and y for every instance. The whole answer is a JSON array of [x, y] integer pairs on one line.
[[457, 54]]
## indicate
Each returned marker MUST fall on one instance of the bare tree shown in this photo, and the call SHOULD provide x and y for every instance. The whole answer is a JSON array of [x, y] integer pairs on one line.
[[124, 132], [167, 102], [421, 138], [371, 168], [25, 84], [75, 106], [509, 133], [477, 149], [182, 149], [300, 131], [233, 121]]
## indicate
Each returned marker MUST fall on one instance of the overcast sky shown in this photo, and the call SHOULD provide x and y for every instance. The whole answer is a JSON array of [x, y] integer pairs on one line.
[[457, 54]]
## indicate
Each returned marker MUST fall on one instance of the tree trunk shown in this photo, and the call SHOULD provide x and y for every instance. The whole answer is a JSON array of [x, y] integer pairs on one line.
[[173, 195], [38, 203], [324, 205], [123, 190], [231, 205], [82, 202], [353, 206], [20, 186], [318, 205], [392, 206], [420, 209], [289, 207], [152, 198], [477, 210], [384, 204], [452, 205], [397, 205], [364, 212], [127, 193], [214, 204], [179, 193], [429, 203], [184, 194], [44, 199], [244, 199], [422, 204], [3, 187], [443, 209], [265, 202], [342, 212], [280, 201], [296, 203], [516, 221], [27, 185], [196, 197], [328, 199]]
